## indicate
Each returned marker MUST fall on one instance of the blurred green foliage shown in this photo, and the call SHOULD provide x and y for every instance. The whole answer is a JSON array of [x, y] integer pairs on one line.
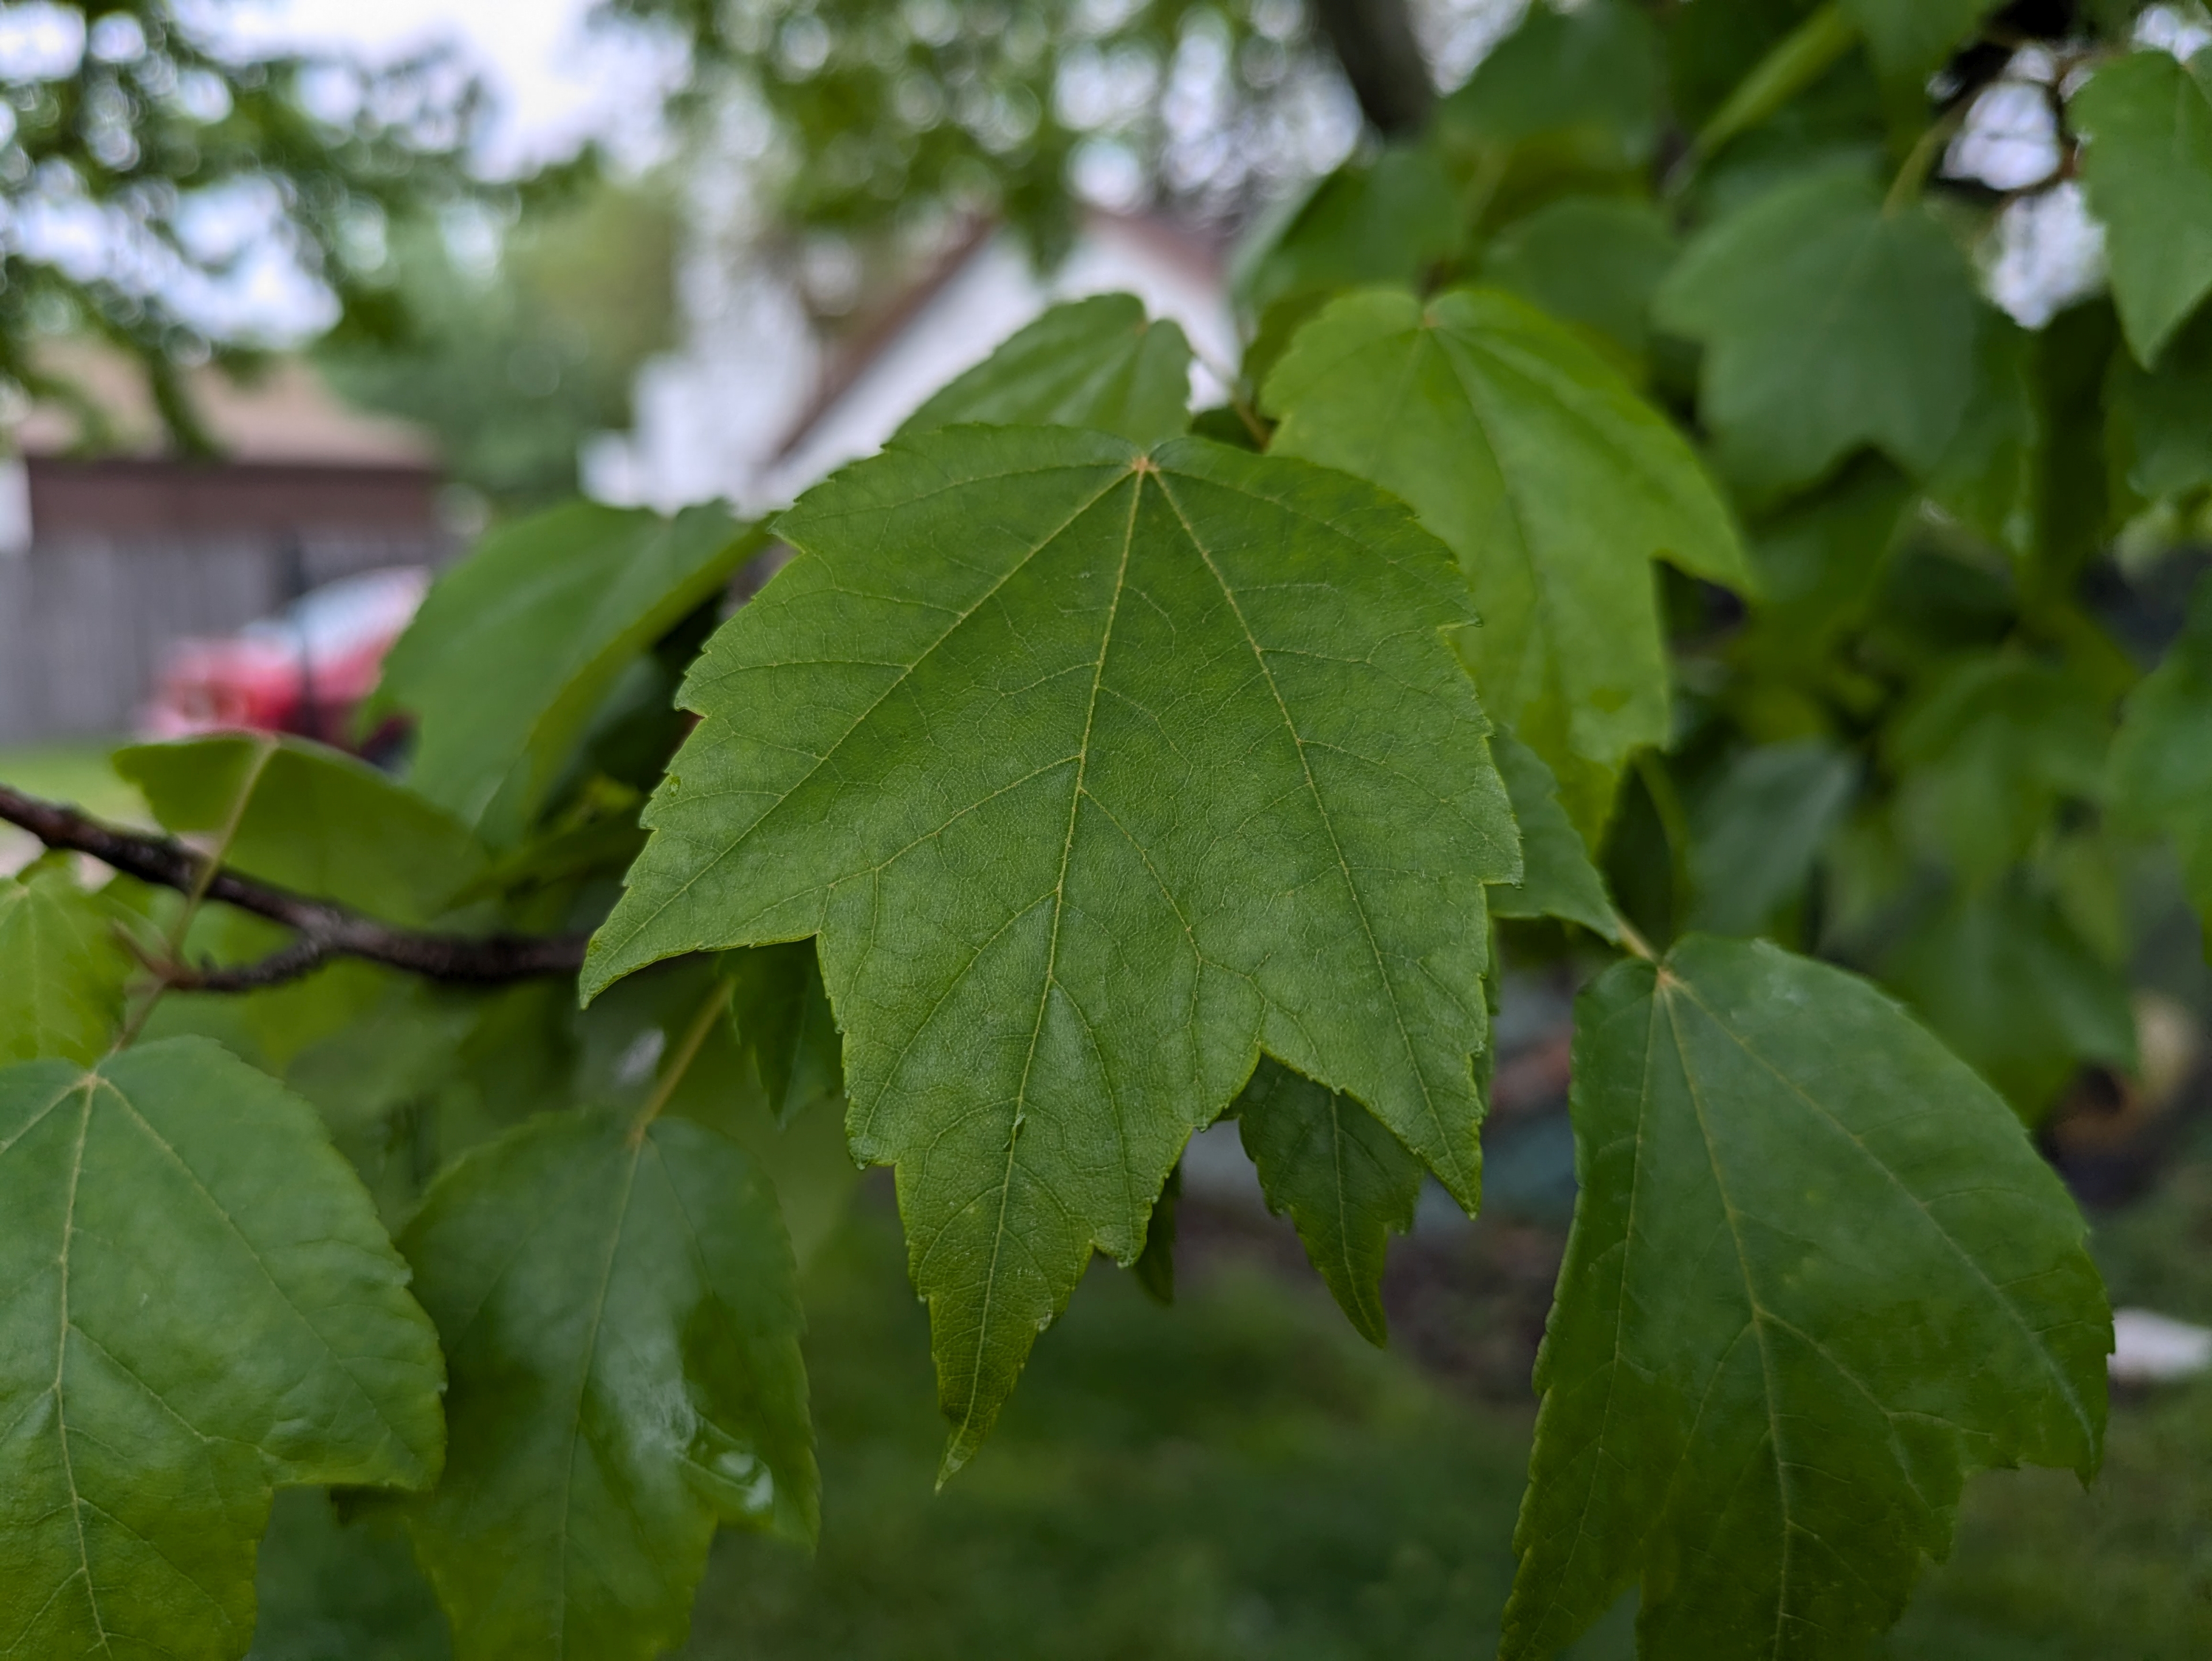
[[889, 116], [147, 155], [513, 367], [1241, 1476]]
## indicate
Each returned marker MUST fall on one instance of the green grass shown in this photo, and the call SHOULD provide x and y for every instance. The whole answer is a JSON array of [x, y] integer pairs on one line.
[[77, 773], [1241, 1476], [2045, 1572]]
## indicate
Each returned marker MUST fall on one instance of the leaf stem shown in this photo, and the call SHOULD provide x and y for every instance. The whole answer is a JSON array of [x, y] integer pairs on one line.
[[1240, 394], [1637, 945], [703, 1025], [210, 867], [1920, 159], [1797, 60]]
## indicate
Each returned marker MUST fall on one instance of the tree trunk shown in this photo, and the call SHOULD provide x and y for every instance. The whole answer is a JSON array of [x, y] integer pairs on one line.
[[1374, 41]]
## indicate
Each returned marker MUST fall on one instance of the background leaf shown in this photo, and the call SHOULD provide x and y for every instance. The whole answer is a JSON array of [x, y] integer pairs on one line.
[[1153, 763], [1828, 323], [1759, 828], [2159, 418], [622, 1330], [1817, 1274], [1593, 71], [1990, 748], [63, 968], [317, 821], [1552, 482], [1910, 38], [1993, 475], [203, 1306], [785, 1025], [1593, 260], [1099, 363], [1155, 1265], [517, 647], [2147, 166], [1820, 563], [350, 1590], [1388, 220], [2010, 984], [1343, 1179], [2161, 761], [1557, 877]]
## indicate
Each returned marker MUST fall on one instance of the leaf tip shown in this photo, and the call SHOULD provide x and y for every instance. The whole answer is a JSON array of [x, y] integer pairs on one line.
[[959, 1449]]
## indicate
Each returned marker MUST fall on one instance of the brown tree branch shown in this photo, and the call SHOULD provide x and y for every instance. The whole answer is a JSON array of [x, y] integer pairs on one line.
[[325, 930], [1374, 42], [302, 958]]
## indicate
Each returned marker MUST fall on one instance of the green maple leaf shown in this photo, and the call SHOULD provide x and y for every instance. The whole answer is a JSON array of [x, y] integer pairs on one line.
[[1817, 1274], [1097, 773], [1829, 322], [1554, 484], [1344, 1182], [2159, 418], [1821, 563], [2161, 767], [1592, 260], [1595, 74], [1992, 748], [1760, 829], [1096, 363], [313, 820], [785, 1026], [516, 648], [1557, 877], [201, 1306], [2147, 166], [1910, 38], [62, 969], [1995, 473], [1155, 1265], [621, 1320], [1387, 220], [2005, 978]]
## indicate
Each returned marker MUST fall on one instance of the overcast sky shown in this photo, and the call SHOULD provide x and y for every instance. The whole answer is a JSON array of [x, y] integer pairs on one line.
[[556, 82]]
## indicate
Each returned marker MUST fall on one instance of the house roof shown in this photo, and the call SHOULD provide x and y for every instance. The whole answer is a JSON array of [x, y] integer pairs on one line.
[[283, 415], [1176, 272]]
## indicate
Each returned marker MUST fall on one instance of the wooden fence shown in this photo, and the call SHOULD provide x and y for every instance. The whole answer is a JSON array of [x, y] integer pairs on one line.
[[85, 621]]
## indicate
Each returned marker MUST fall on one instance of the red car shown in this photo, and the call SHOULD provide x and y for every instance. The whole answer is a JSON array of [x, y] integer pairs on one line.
[[304, 672]]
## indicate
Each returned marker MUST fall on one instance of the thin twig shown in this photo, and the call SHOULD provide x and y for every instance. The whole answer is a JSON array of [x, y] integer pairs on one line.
[[303, 957], [1922, 160], [1637, 945], [1233, 383], [336, 931], [197, 894], [703, 1025]]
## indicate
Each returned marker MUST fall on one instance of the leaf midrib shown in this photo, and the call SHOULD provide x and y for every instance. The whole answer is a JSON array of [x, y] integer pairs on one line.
[[77, 1501], [1051, 970], [906, 673], [1344, 867], [1553, 1591], [1663, 989], [630, 1155], [343, 1364], [1553, 667], [1997, 1294]]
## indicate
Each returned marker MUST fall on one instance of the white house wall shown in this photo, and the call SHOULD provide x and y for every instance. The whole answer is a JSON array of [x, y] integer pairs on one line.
[[718, 419]]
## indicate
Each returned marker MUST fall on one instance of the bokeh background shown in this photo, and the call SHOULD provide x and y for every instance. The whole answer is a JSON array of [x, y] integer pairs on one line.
[[302, 293]]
